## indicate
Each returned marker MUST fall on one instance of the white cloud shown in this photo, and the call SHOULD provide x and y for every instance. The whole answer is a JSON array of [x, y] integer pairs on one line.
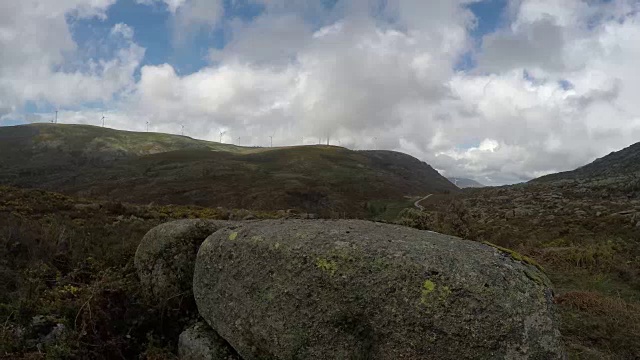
[[190, 16], [35, 48]]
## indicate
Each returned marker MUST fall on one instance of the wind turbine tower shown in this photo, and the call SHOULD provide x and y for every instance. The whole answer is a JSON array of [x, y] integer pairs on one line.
[[271, 137], [221, 133], [56, 121], [182, 129], [103, 119], [147, 126]]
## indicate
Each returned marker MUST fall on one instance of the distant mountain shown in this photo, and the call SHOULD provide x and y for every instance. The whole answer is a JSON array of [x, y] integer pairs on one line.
[[96, 162], [463, 183]]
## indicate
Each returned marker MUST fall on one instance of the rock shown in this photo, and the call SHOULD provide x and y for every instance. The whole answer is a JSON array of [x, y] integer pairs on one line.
[[56, 333], [519, 212], [239, 214], [358, 290], [166, 255], [200, 342], [249, 217]]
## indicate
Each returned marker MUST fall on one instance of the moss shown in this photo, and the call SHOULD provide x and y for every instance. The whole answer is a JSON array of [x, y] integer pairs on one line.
[[328, 266], [536, 278], [516, 255], [233, 236]]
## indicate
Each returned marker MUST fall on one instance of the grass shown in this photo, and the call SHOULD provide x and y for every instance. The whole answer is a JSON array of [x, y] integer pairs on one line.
[[388, 210]]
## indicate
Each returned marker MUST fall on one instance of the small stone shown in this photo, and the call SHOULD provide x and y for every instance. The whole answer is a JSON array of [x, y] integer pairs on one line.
[[200, 342]]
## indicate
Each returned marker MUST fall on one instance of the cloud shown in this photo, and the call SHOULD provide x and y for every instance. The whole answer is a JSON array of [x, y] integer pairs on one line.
[[546, 95], [36, 49], [353, 79], [190, 16]]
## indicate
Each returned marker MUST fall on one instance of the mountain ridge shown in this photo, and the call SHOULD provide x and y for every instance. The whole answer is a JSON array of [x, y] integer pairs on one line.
[[463, 183], [136, 167]]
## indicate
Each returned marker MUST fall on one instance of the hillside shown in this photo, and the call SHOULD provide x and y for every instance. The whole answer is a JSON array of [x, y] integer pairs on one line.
[[143, 168], [464, 183], [615, 174]]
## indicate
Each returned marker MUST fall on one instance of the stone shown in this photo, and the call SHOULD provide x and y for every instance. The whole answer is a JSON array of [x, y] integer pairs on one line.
[[352, 289], [166, 256], [239, 214], [200, 342]]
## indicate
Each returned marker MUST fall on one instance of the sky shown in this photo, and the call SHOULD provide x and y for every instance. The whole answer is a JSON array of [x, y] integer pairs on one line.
[[500, 91]]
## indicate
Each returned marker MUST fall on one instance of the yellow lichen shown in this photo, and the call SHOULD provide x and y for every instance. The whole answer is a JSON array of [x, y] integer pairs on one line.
[[233, 236], [430, 289], [328, 266], [428, 286]]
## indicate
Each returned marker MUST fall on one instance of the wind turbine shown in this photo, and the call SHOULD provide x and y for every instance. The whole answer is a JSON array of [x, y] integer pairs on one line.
[[56, 121], [221, 133], [238, 140], [147, 126], [182, 129], [103, 117], [271, 137]]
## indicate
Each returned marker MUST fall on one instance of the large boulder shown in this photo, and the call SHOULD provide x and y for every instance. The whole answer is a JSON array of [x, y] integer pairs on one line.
[[200, 342], [166, 257], [359, 290]]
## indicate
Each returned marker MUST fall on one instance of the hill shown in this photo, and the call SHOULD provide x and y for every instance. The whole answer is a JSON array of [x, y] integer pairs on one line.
[[96, 162], [464, 183], [615, 174]]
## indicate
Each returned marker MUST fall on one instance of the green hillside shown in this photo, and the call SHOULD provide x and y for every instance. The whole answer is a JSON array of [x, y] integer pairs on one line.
[[168, 169]]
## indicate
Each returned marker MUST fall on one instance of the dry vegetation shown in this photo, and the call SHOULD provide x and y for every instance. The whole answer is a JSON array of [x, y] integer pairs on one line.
[[68, 288], [589, 247]]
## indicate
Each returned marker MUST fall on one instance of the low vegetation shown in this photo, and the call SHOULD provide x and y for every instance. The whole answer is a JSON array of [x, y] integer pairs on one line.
[[588, 246], [145, 168], [68, 287]]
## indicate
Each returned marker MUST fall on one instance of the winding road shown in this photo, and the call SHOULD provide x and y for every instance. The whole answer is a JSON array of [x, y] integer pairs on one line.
[[417, 203]]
